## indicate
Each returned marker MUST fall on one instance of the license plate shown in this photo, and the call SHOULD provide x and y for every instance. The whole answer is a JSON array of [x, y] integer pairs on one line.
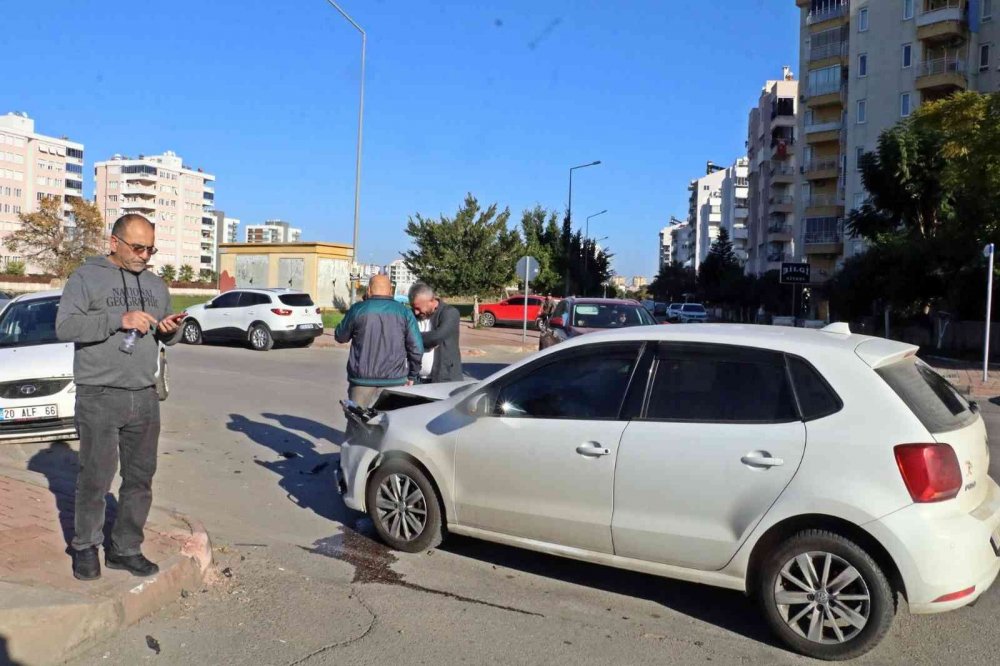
[[309, 327], [29, 413]]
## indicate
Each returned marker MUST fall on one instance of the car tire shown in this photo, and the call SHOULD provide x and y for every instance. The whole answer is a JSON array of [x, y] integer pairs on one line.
[[487, 320], [163, 380], [420, 528], [260, 338], [192, 332], [817, 621]]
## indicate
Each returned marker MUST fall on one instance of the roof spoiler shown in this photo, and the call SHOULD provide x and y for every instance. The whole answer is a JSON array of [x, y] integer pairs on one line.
[[837, 328], [879, 352]]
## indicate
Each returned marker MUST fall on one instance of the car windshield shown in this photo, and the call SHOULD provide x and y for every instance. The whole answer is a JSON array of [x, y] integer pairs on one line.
[[696, 308], [610, 315], [29, 323], [296, 300]]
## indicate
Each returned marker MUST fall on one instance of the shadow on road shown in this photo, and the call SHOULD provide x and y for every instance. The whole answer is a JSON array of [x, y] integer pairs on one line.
[[726, 609], [481, 371], [314, 429], [59, 464], [5, 658], [306, 475]]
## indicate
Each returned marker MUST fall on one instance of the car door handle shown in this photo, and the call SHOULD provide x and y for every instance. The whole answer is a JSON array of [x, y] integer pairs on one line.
[[593, 449], [761, 459]]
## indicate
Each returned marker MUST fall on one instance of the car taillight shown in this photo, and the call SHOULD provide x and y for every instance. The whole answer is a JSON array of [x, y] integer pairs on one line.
[[930, 471], [318, 311], [281, 312], [955, 595]]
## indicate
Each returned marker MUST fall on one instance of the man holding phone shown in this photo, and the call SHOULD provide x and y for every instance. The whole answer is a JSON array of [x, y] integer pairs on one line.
[[116, 312]]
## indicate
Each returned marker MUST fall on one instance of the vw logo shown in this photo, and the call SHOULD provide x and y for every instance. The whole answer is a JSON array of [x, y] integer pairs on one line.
[[28, 389]]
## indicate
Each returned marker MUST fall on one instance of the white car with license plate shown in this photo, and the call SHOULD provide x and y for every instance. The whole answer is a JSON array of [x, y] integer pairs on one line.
[[37, 393], [822, 472], [257, 317]]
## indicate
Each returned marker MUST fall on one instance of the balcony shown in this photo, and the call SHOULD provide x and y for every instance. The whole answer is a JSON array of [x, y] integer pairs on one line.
[[825, 94], [822, 169], [823, 132], [775, 257], [942, 75], [831, 12], [781, 147], [782, 174], [836, 50], [779, 233], [823, 236], [824, 204], [740, 233], [942, 20], [741, 212], [138, 190], [781, 204]]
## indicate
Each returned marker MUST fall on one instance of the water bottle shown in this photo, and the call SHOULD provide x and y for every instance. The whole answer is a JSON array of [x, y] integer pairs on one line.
[[128, 342]]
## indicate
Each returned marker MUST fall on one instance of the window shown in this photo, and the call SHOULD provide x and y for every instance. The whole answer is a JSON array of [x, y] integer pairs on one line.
[[862, 65], [296, 300], [904, 105], [589, 385], [816, 398], [987, 10], [858, 155], [517, 300], [907, 9], [720, 383], [248, 298], [227, 300], [907, 55], [930, 397], [863, 19], [984, 57], [862, 111]]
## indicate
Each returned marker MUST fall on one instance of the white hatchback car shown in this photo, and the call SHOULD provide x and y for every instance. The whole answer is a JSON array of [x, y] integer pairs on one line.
[[37, 394], [819, 471], [258, 317]]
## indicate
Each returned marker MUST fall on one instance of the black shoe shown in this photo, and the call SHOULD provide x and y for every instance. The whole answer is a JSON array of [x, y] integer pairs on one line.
[[137, 565], [86, 564]]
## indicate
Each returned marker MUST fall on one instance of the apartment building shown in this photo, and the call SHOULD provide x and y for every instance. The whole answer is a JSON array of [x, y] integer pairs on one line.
[[870, 63], [666, 246], [705, 210], [33, 167], [226, 231], [735, 211], [176, 198], [273, 231], [772, 173], [682, 245]]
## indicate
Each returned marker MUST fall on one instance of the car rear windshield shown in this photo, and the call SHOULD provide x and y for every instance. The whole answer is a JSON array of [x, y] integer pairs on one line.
[[693, 308], [29, 323], [296, 300], [607, 315], [938, 404]]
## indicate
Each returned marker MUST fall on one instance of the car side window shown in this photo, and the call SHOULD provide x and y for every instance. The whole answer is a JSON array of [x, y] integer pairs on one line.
[[230, 299], [585, 384], [816, 398], [720, 384], [560, 310], [251, 298], [516, 301]]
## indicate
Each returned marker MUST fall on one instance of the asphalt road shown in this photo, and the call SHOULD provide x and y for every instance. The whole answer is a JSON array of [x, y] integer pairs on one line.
[[248, 447]]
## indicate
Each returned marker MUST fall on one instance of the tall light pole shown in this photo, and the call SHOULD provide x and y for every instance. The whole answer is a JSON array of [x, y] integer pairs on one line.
[[586, 237], [569, 214], [361, 116]]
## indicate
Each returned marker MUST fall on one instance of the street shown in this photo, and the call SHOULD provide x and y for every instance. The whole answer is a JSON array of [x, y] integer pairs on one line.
[[249, 442]]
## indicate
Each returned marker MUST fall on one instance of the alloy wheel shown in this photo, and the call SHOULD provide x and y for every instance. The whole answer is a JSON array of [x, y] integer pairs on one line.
[[401, 507], [822, 597]]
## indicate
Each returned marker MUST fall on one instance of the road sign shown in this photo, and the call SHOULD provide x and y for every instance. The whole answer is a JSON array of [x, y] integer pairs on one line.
[[795, 273], [527, 265]]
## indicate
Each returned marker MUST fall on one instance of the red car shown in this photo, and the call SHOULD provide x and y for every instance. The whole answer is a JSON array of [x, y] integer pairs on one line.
[[510, 311]]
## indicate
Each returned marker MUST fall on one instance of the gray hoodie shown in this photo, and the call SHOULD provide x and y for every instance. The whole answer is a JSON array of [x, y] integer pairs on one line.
[[90, 314]]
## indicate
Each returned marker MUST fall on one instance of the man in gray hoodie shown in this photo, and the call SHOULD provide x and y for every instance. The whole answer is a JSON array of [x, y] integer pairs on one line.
[[116, 312]]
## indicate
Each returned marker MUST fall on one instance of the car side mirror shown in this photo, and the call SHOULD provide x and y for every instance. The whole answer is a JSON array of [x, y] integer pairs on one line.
[[557, 322], [477, 405]]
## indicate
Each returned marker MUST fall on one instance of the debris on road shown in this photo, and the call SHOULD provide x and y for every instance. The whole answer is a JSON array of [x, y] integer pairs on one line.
[[153, 644]]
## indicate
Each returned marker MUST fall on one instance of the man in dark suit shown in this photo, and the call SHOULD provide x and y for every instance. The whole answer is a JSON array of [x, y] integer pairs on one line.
[[442, 361]]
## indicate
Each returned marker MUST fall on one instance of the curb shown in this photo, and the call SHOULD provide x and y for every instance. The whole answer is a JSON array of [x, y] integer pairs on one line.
[[46, 626]]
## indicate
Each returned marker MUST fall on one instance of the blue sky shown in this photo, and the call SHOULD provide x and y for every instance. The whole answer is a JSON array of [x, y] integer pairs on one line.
[[494, 98]]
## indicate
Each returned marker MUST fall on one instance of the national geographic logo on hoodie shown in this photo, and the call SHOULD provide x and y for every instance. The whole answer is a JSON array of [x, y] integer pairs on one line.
[[117, 298]]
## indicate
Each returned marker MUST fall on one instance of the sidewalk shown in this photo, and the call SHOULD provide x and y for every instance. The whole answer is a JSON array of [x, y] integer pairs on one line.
[[46, 615], [967, 376], [473, 341]]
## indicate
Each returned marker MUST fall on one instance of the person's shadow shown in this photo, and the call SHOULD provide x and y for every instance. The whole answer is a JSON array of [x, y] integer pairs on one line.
[[60, 465], [5, 658], [306, 474]]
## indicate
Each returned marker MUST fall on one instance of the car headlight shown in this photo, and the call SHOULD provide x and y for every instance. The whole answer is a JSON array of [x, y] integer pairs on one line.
[[72, 388]]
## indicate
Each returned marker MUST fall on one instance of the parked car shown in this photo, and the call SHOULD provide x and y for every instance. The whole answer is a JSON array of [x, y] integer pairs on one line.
[[257, 317], [681, 451], [510, 311], [576, 316], [673, 311], [37, 393], [692, 313]]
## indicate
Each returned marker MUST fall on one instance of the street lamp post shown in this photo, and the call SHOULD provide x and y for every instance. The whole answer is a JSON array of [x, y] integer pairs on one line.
[[361, 116], [569, 214], [586, 237]]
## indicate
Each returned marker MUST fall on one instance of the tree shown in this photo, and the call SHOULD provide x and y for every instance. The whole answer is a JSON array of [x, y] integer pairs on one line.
[[186, 273], [674, 282], [472, 253], [540, 234], [208, 275], [56, 245], [13, 268], [720, 274], [168, 273]]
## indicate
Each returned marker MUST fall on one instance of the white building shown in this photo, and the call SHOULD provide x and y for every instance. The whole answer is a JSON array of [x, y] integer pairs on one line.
[[735, 211], [705, 210], [178, 199], [272, 231], [32, 167], [682, 244]]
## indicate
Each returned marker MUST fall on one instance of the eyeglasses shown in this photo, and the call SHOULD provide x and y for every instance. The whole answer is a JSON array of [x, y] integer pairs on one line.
[[139, 247]]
